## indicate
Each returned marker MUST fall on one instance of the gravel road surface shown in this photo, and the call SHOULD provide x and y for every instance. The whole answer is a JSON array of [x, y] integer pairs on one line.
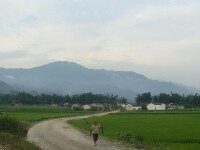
[[57, 134]]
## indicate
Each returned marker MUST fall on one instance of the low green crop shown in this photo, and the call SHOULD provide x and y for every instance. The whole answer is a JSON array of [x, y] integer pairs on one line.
[[30, 113], [155, 130]]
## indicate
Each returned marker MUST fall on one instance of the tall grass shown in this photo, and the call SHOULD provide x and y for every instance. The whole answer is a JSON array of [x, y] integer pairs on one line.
[[12, 134], [11, 125], [14, 142]]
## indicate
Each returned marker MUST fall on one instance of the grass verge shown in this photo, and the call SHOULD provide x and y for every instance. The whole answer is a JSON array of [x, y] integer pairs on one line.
[[14, 142]]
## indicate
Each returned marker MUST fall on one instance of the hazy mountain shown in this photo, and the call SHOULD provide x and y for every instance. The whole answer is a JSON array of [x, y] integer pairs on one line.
[[72, 78], [5, 88]]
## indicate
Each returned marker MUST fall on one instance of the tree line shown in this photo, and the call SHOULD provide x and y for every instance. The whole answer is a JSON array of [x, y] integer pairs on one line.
[[85, 98], [186, 100]]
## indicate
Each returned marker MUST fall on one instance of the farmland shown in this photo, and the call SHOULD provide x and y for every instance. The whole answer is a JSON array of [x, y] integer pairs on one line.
[[30, 113], [173, 130], [13, 116]]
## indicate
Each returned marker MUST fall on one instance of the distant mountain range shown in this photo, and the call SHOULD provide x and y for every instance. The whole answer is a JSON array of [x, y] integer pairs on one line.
[[71, 78], [5, 88]]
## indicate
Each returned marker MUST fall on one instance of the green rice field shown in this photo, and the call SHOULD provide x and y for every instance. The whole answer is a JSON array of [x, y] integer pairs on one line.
[[37, 113], [170, 130]]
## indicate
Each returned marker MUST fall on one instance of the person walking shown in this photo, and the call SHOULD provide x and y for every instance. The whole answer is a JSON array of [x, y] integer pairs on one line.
[[94, 131]]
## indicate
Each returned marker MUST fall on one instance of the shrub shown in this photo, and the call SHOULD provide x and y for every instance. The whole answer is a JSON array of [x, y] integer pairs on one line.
[[139, 138], [188, 106], [125, 137], [139, 141], [11, 125], [77, 108], [144, 107]]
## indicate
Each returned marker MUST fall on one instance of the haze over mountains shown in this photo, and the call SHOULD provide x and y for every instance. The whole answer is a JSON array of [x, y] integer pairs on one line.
[[71, 78]]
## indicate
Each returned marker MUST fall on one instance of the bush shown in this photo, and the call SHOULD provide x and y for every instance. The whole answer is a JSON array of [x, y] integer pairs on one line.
[[188, 106], [77, 108], [144, 107], [139, 141], [125, 137], [139, 138], [11, 125]]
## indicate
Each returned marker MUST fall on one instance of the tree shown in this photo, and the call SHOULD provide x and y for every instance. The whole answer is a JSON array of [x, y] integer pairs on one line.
[[144, 98]]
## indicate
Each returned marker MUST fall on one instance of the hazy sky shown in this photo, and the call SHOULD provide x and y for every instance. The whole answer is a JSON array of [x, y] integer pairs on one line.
[[157, 38]]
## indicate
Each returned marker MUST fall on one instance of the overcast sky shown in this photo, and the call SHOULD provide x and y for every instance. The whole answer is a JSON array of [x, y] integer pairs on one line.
[[157, 38]]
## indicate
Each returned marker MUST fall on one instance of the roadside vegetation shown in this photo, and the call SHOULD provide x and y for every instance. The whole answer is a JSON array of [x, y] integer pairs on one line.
[[16, 120], [166, 130], [15, 142], [13, 135]]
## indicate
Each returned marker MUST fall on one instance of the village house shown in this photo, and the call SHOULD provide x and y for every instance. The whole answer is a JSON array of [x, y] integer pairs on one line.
[[171, 106], [123, 105], [152, 106], [74, 106], [99, 107], [180, 107], [66, 104], [174, 106], [96, 105], [86, 107], [136, 108], [129, 107], [53, 105]]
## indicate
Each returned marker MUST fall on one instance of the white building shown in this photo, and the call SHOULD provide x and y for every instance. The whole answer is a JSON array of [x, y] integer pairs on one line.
[[180, 107], [86, 107], [65, 104], [123, 105], [136, 108], [129, 107], [152, 106]]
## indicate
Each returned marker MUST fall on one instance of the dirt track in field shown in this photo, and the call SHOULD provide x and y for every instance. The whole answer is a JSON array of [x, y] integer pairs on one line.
[[57, 134]]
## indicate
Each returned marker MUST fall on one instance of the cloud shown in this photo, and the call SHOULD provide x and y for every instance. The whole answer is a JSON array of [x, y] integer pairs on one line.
[[13, 54], [138, 35], [30, 19]]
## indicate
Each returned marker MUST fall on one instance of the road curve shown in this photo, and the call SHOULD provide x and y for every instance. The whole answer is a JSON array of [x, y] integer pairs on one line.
[[57, 134]]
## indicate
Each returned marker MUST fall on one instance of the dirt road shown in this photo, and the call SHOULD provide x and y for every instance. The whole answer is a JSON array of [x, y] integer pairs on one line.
[[57, 134]]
